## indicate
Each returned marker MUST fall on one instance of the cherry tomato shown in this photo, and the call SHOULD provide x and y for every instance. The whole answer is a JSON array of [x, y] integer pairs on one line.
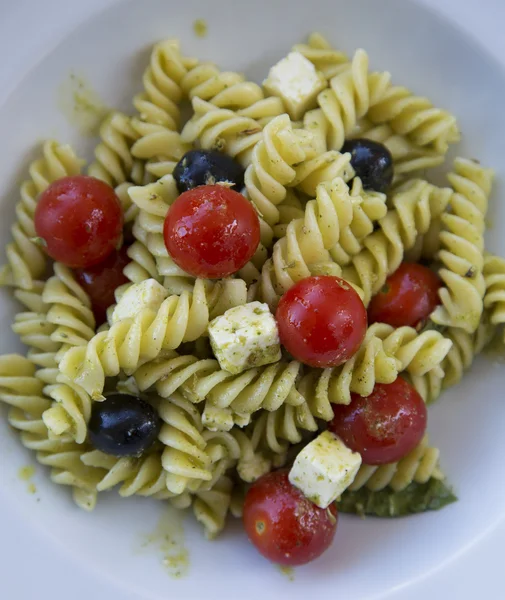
[[211, 231], [80, 220], [322, 321], [100, 281], [408, 297], [284, 526], [384, 427]]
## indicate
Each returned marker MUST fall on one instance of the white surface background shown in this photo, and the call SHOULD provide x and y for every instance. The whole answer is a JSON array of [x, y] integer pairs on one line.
[[41, 26]]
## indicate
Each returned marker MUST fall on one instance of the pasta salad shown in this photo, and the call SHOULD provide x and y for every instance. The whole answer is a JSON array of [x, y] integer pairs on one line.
[[249, 312]]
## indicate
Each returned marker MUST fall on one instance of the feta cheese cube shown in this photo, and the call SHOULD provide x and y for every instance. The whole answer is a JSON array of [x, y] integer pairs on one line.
[[324, 469], [245, 337], [147, 294], [295, 80]]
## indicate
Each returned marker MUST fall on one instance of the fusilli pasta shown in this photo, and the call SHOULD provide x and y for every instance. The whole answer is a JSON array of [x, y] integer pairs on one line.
[[462, 247], [114, 162], [26, 260], [419, 466], [129, 343], [271, 168], [494, 278], [414, 206]]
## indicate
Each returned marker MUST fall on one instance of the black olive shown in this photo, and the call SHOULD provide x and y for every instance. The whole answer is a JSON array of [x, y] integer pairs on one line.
[[372, 162], [206, 167], [123, 425]]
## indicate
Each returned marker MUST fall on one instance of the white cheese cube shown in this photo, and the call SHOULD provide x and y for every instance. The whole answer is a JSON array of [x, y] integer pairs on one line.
[[147, 294], [324, 469], [245, 337], [295, 80]]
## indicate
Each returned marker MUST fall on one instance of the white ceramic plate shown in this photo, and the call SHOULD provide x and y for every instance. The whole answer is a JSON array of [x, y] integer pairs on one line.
[[48, 548]]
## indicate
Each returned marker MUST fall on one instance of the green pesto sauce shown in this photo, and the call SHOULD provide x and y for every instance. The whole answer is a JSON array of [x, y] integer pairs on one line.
[[288, 572], [26, 473], [81, 105], [200, 28], [168, 539], [416, 498]]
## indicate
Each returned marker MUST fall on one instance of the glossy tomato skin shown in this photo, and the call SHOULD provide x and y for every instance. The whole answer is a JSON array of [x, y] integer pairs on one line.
[[384, 427], [408, 297], [322, 321], [80, 220], [284, 526], [101, 281], [211, 231]]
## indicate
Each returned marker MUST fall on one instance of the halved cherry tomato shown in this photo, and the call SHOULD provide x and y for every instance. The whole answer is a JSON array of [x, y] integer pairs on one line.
[[79, 220], [100, 282], [384, 427], [408, 297], [211, 231], [322, 321], [284, 526]]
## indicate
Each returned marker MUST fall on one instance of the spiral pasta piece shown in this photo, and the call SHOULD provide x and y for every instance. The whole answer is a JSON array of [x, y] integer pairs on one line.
[[321, 168], [415, 117], [234, 448], [271, 168], [184, 458], [19, 388], [418, 353], [159, 102], [419, 465], [114, 162], [465, 347], [158, 141], [140, 476], [462, 247], [290, 208], [308, 241], [231, 91], [143, 263], [352, 93], [130, 211], [26, 260], [368, 207], [322, 55], [370, 365], [222, 129], [428, 386], [274, 431], [211, 507], [35, 331], [131, 342], [70, 310], [70, 411], [414, 206], [494, 278], [267, 387]]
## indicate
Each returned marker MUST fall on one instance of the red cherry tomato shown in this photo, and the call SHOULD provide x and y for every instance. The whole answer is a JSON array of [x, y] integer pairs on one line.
[[284, 526], [211, 231], [322, 321], [80, 220], [408, 297], [100, 282], [384, 427]]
